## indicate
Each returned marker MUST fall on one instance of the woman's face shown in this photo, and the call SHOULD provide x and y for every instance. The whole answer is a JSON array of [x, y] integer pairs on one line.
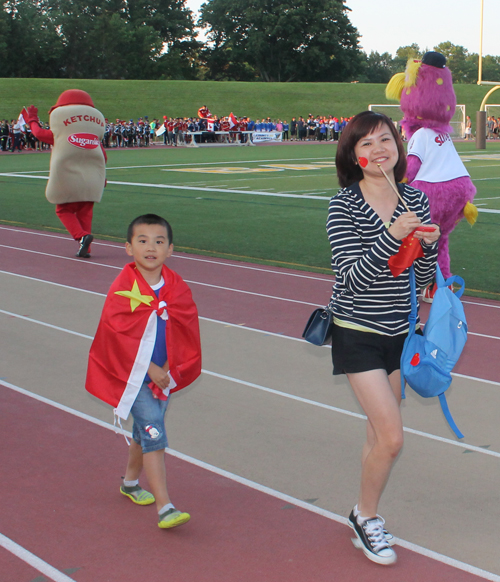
[[377, 148]]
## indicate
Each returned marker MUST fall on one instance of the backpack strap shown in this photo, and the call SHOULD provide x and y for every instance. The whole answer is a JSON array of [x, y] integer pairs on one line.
[[454, 279], [447, 415], [412, 320]]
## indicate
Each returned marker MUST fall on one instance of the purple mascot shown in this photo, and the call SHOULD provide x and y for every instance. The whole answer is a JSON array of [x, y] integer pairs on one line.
[[428, 102]]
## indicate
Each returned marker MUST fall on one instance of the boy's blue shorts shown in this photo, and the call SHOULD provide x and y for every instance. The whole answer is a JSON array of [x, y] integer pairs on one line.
[[148, 413]]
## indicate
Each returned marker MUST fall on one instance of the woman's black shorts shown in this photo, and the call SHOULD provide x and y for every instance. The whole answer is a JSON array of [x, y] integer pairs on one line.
[[359, 351]]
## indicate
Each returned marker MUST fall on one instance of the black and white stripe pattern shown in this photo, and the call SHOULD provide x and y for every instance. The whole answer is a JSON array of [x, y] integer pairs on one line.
[[365, 292]]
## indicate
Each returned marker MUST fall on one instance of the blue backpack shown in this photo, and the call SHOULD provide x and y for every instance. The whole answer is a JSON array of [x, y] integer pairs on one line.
[[427, 360]]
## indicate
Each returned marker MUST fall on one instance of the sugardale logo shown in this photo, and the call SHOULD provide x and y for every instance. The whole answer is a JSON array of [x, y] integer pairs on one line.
[[86, 141]]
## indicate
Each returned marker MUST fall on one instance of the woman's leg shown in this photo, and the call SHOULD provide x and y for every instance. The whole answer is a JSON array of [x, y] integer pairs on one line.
[[380, 397]]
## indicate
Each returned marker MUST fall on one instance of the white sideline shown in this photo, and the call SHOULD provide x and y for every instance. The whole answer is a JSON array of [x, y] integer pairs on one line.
[[261, 488], [34, 561], [286, 395]]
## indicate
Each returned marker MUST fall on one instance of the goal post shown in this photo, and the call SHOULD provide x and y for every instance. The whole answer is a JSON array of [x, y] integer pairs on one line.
[[394, 112]]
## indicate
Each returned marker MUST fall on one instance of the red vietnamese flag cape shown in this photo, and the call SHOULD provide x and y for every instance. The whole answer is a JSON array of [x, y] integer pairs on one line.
[[123, 345], [409, 251]]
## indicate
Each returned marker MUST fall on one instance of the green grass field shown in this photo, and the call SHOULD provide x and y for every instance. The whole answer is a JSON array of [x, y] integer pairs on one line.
[[133, 99], [261, 204]]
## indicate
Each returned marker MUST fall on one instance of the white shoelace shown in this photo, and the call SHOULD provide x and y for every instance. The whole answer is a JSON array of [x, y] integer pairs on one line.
[[374, 530]]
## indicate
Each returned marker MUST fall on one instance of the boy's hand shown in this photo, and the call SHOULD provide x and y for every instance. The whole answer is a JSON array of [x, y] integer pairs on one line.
[[159, 376]]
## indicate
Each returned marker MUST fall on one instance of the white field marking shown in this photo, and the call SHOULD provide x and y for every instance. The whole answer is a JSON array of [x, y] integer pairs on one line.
[[216, 163], [34, 561], [258, 487], [492, 198], [488, 210], [488, 166], [192, 188], [483, 179], [280, 393], [198, 164]]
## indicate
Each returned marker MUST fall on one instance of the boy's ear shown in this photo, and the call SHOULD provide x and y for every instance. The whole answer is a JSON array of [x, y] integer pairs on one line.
[[170, 250], [128, 249]]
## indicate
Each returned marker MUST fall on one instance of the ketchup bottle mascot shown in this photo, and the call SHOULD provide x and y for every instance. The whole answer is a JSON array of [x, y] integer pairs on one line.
[[77, 164], [428, 102]]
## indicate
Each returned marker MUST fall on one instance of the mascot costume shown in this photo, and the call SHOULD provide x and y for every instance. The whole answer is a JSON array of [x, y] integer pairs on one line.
[[428, 102], [77, 164]]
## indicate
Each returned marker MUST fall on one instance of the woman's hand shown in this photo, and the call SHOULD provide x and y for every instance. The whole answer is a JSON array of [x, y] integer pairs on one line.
[[404, 225], [428, 237]]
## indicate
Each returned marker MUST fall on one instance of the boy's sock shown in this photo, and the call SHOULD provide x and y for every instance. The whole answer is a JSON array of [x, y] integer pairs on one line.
[[131, 483], [166, 508]]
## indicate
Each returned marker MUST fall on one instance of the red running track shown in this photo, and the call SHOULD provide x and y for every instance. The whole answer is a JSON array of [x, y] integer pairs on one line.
[[61, 476], [61, 502]]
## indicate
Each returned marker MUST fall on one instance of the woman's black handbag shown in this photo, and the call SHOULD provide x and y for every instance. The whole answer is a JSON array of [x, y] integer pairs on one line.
[[318, 330]]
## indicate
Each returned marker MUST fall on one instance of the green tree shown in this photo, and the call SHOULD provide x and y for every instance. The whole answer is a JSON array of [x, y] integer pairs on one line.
[[458, 61], [403, 54], [280, 40], [377, 68], [32, 45]]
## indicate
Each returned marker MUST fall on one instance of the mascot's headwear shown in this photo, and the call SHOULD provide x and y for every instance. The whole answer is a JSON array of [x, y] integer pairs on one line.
[[73, 97]]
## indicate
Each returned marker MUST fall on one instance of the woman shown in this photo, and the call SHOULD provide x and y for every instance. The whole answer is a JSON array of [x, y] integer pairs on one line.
[[366, 225]]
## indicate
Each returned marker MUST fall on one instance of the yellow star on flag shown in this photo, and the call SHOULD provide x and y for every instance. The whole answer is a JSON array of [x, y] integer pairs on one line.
[[135, 297]]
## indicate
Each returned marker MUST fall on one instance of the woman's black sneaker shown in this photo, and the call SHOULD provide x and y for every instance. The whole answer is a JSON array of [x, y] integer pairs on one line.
[[371, 539]]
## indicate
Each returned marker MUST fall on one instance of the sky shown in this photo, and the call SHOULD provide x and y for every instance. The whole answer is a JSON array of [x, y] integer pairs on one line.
[[385, 25]]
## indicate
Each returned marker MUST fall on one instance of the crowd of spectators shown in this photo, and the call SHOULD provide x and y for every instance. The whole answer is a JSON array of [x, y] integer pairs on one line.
[[174, 131], [16, 136]]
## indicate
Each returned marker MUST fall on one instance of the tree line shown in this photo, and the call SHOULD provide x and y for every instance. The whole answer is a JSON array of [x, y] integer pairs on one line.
[[243, 40]]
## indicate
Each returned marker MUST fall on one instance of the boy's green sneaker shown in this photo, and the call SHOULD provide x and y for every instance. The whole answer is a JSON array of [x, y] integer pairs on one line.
[[172, 518], [138, 495]]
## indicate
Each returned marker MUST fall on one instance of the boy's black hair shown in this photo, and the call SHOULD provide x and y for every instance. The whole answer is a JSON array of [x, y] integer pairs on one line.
[[149, 219]]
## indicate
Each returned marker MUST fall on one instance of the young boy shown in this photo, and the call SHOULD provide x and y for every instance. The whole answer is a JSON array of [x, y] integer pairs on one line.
[[147, 346]]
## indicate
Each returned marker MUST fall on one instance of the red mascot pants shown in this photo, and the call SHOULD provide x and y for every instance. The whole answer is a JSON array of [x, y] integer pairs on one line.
[[76, 217]]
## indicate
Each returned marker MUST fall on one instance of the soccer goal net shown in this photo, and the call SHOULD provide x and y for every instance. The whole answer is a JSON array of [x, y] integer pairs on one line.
[[394, 112]]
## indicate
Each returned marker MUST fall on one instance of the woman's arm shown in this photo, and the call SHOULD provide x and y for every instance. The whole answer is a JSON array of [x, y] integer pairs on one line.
[[358, 268]]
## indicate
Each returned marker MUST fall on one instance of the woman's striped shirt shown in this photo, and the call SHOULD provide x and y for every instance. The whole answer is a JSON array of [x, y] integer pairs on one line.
[[365, 293]]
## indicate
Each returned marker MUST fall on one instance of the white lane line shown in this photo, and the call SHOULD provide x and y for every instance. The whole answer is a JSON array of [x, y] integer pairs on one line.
[[179, 256], [190, 188], [489, 210], [32, 560], [279, 393], [187, 280], [208, 285], [261, 488]]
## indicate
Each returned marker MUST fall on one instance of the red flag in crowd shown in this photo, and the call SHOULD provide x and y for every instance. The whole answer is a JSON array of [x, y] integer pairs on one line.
[[232, 120], [23, 118]]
